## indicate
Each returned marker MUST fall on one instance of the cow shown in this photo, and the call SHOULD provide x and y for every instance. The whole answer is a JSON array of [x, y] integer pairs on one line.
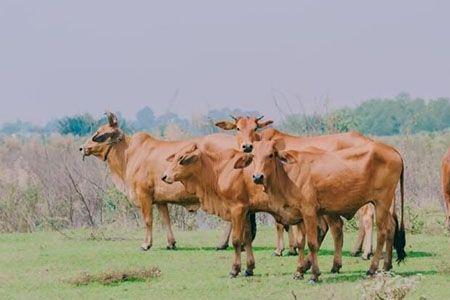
[[251, 129], [333, 183], [226, 190], [445, 181], [136, 163]]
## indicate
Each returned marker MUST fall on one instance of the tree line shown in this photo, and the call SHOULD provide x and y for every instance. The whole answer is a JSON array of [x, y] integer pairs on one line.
[[382, 117]]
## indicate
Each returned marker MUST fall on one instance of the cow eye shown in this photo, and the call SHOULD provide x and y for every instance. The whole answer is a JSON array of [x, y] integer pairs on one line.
[[271, 155], [256, 128], [237, 128], [100, 138]]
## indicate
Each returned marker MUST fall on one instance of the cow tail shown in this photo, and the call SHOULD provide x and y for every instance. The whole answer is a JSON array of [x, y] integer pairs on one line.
[[399, 235]]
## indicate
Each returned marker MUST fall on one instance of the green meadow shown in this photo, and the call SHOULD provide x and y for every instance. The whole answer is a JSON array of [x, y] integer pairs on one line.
[[53, 265]]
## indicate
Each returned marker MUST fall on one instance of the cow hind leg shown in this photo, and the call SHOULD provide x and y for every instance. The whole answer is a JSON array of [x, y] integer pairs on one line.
[[311, 225], [390, 224], [301, 242], [164, 212], [382, 214], [368, 229]]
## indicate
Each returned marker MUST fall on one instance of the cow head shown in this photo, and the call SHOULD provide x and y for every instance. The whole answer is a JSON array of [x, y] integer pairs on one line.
[[246, 128], [265, 157], [103, 139], [183, 164]]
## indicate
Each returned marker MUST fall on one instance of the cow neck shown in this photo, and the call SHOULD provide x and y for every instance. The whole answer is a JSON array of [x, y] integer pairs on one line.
[[116, 158], [281, 185]]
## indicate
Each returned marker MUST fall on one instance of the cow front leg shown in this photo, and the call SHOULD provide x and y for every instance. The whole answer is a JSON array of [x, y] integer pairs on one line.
[[311, 223], [147, 215], [293, 232], [223, 242], [238, 219], [164, 212], [280, 241], [336, 228], [248, 238], [301, 242]]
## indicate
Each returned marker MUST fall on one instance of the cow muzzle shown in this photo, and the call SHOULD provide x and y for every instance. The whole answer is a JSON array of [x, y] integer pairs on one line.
[[247, 148], [167, 179], [258, 178]]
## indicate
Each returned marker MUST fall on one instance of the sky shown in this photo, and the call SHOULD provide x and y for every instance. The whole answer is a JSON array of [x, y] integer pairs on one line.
[[66, 57]]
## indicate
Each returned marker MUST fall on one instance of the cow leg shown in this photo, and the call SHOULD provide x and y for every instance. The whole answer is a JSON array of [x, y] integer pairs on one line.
[[293, 232], [368, 229], [336, 228], [280, 241], [361, 234], [223, 242], [238, 220], [390, 231], [301, 242], [322, 230], [311, 226], [248, 237], [164, 212], [382, 214], [147, 214], [447, 206]]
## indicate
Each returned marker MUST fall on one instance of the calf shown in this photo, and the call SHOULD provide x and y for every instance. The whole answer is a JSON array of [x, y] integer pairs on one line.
[[334, 183]]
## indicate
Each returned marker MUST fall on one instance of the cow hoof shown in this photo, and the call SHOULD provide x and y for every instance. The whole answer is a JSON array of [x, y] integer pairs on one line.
[[172, 247], [336, 269], [233, 275], [366, 256], [278, 254], [248, 273], [223, 247], [145, 247], [298, 276], [370, 273], [355, 253], [312, 281], [292, 253]]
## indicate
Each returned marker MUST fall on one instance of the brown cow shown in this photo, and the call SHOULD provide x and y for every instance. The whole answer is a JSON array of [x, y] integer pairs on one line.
[[247, 132], [230, 194], [334, 183], [137, 162], [445, 179]]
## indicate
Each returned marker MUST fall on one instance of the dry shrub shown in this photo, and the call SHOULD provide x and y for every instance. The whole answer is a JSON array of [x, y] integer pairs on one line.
[[387, 287], [114, 277]]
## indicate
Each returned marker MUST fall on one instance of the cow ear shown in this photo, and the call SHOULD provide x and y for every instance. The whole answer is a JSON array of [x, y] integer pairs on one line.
[[112, 119], [225, 125], [243, 161], [189, 158], [170, 158], [286, 157], [264, 124]]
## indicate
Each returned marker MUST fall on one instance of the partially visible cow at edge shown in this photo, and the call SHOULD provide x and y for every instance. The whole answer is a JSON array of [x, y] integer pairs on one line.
[[445, 181], [224, 189], [251, 129], [334, 183], [136, 164]]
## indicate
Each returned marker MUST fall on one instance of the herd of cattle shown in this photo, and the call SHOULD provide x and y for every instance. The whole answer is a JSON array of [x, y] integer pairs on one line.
[[306, 183]]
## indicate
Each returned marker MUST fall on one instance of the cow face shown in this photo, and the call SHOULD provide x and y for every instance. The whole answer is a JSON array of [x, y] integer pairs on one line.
[[246, 128], [99, 143], [183, 164], [264, 161]]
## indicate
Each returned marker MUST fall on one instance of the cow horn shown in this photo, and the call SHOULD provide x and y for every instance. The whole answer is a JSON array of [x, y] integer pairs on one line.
[[259, 118], [112, 118], [233, 117]]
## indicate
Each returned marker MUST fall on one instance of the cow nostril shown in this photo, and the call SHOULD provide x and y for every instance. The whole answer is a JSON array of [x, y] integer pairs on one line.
[[164, 178], [81, 149], [247, 148]]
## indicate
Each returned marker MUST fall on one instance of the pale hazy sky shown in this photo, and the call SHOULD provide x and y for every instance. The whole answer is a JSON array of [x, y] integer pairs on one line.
[[65, 57]]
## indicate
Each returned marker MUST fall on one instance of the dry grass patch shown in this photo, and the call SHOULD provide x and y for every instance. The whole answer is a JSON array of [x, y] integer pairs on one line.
[[113, 277]]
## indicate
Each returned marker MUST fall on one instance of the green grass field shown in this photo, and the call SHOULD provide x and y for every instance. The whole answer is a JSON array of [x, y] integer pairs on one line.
[[41, 265]]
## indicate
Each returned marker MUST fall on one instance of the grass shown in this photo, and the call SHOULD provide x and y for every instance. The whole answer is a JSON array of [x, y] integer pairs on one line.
[[47, 265]]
